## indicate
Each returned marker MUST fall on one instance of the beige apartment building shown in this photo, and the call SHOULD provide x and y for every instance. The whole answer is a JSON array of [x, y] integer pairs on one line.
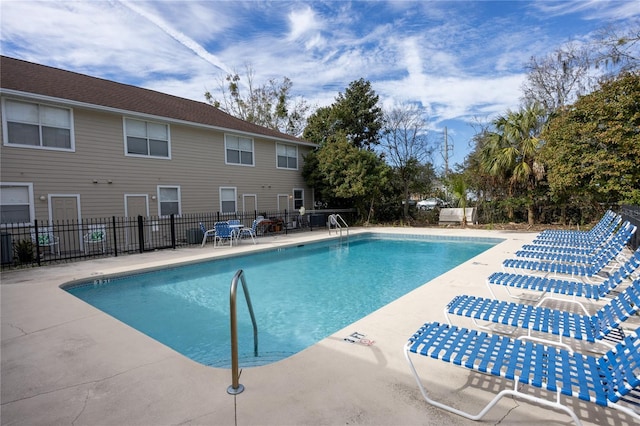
[[76, 146]]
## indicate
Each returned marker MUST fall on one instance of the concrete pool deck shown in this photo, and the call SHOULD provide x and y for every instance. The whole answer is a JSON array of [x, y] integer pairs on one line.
[[64, 362]]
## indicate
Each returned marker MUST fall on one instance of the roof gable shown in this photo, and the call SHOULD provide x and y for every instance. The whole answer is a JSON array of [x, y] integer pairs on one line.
[[28, 77]]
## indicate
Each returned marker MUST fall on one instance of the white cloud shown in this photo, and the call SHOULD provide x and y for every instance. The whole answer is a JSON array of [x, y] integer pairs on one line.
[[592, 9], [302, 22], [179, 36]]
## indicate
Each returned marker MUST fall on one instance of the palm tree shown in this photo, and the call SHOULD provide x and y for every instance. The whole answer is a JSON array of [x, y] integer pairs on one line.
[[512, 150], [458, 187]]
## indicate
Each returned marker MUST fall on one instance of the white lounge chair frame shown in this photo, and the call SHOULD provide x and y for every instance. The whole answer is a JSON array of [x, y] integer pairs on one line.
[[206, 234]]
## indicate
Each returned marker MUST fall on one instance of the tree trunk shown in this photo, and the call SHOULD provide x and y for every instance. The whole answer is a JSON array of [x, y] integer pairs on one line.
[[531, 211], [406, 201], [370, 215]]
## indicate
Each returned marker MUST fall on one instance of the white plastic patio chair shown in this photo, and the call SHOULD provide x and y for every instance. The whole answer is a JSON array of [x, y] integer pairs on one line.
[[96, 235], [46, 238]]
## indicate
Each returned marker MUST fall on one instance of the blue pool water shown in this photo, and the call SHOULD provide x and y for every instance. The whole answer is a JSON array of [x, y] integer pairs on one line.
[[300, 294]]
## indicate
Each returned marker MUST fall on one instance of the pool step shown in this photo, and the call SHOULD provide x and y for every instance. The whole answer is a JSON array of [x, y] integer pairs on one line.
[[248, 361]]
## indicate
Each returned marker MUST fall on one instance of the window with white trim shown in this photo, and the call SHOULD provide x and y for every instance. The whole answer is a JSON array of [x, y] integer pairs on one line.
[[146, 138], [16, 203], [33, 125], [228, 200], [287, 156], [169, 200], [298, 198], [238, 150]]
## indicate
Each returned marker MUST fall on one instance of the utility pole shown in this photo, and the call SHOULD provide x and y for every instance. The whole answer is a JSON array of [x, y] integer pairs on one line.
[[446, 148]]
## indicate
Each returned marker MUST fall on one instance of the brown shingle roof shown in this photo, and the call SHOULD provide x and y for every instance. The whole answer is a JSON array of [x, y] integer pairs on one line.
[[23, 76]]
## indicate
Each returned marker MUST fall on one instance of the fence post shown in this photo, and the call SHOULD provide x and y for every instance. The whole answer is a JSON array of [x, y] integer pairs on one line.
[[173, 231], [286, 222], [140, 234], [37, 234], [115, 237]]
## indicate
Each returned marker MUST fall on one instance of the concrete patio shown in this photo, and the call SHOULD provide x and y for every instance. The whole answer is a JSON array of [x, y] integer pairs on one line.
[[64, 362]]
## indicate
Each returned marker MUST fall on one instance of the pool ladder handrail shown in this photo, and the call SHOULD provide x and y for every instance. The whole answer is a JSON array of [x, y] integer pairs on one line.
[[236, 387], [334, 220]]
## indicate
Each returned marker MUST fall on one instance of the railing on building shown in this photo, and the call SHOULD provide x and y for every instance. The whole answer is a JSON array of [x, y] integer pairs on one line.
[[63, 241]]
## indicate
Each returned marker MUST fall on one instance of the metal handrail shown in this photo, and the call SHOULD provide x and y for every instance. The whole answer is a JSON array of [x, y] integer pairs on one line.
[[236, 387], [333, 220]]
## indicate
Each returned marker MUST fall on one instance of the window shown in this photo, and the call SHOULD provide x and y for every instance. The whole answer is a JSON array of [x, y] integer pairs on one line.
[[37, 126], [146, 138], [16, 203], [298, 198], [169, 200], [239, 150], [287, 156], [228, 200]]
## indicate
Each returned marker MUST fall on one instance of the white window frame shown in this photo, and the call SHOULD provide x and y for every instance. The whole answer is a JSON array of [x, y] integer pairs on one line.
[[286, 148], [227, 141], [32, 210], [235, 198], [125, 120], [301, 199], [40, 124], [160, 200]]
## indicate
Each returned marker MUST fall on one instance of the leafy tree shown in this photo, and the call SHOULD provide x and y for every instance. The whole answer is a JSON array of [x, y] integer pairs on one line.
[[511, 151], [592, 148], [356, 113], [269, 105], [405, 147], [352, 174], [320, 125]]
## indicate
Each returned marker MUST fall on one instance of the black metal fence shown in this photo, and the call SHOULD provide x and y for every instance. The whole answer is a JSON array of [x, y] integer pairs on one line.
[[632, 214], [47, 242]]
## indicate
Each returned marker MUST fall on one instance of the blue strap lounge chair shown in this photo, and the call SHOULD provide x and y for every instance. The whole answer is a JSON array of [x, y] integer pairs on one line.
[[573, 288], [601, 327], [603, 380], [223, 233], [586, 271], [577, 254], [206, 234], [250, 232], [605, 226], [574, 246]]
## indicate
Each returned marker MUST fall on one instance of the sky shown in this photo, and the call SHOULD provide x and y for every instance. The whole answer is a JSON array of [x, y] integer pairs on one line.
[[462, 62]]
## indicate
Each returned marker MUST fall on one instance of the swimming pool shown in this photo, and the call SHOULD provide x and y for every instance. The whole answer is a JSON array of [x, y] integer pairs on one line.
[[300, 294]]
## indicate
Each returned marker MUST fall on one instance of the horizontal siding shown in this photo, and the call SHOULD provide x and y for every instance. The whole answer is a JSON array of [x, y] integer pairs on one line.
[[197, 166]]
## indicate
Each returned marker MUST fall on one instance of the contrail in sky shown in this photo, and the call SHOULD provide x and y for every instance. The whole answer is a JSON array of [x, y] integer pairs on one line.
[[178, 36]]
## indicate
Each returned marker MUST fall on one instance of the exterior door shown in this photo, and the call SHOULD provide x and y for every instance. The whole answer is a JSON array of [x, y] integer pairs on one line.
[[135, 205], [283, 202], [66, 209], [249, 203]]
